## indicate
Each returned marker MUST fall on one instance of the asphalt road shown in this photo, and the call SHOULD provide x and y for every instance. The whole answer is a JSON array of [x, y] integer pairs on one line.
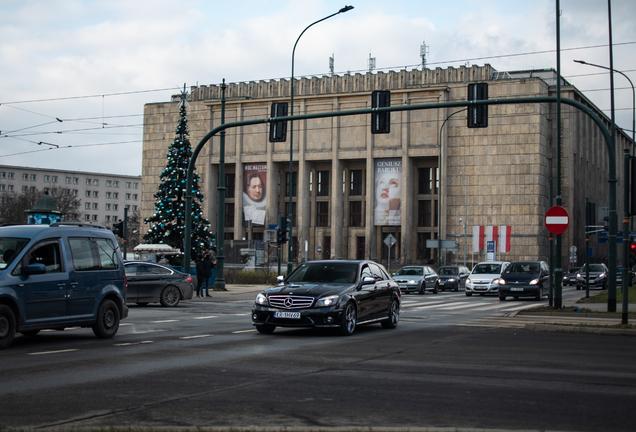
[[453, 362]]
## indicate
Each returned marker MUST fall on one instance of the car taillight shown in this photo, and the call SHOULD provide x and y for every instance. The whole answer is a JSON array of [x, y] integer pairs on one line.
[[126, 284], [189, 279]]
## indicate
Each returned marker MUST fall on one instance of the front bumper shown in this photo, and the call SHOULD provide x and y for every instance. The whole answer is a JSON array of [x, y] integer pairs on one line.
[[482, 288], [519, 290], [406, 287], [310, 317], [598, 282]]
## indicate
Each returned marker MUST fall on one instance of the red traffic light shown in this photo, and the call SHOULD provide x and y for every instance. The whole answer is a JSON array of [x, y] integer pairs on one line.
[[632, 246]]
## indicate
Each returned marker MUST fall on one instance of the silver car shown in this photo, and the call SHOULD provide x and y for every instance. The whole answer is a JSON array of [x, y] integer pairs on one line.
[[417, 279], [484, 279]]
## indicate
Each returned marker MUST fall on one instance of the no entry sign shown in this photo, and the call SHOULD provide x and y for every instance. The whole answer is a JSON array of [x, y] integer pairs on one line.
[[557, 220]]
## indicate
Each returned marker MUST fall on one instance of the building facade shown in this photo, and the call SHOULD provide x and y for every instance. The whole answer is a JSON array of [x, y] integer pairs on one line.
[[351, 188], [104, 196]]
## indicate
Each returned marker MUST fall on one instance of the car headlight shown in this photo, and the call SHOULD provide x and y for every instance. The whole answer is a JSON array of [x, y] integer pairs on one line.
[[601, 276], [468, 280], [578, 275], [412, 282], [327, 301], [502, 282], [534, 281], [451, 280], [261, 299], [495, 281]]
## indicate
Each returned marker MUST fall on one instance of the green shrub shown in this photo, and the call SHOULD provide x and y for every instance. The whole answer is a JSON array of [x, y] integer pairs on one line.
[[250, 277]]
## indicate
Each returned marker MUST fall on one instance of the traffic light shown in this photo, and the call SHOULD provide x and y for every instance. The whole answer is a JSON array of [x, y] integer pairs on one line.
[[477, 114], [278, 129], [282, 236], [632, 254], [118, 228], [380, 122]]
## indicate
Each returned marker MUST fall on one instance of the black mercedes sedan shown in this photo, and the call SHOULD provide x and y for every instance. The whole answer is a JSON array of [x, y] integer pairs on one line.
[[524, 279], [332, 294]]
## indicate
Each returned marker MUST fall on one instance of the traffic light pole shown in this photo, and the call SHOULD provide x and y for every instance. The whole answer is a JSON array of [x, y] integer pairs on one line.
[[626, 262], [512, 101]]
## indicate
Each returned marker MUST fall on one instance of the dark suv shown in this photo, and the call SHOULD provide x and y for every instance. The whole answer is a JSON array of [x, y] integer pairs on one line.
[[57, 276], [524, 279]]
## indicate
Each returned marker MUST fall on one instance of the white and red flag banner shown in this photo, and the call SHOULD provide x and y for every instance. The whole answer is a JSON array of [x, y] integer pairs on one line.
[[500, 234]]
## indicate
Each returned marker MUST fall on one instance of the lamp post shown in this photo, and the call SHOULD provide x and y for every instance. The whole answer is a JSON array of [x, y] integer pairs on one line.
[[291, 136], [465, 216]]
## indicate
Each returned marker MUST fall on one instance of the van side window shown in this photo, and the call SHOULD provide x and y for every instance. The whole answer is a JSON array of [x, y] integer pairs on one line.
[[107, 254], [82, 254], [47, 254], [92, 253]]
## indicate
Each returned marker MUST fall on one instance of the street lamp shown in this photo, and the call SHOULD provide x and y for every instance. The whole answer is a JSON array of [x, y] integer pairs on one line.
[[633, 97], [291, 136], [466, 216]]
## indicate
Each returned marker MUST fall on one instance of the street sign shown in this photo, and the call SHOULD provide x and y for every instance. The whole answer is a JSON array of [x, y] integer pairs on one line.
[[389, 241], [557, 220]]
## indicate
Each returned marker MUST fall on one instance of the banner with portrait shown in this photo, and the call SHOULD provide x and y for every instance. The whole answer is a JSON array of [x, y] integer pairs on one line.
[[254, 193], [388, 191]]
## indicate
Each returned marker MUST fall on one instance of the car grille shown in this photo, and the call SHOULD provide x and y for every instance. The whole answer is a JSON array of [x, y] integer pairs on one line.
[[290, 302]]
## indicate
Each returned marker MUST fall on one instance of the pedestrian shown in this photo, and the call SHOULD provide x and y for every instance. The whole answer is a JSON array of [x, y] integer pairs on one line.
[[207, 266], [212, 273], [200, 268]]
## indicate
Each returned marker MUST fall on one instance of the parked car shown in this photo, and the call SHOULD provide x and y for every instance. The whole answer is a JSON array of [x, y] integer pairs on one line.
[[57, 276], [484, 279], [619, 277], [150, 283], [452, 277], [417, 279], [336, 294], [569, 278], [524, 279], [598, 276]]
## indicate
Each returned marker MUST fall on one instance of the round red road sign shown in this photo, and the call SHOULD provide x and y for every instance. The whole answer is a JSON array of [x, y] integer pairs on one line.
[[557, 220]]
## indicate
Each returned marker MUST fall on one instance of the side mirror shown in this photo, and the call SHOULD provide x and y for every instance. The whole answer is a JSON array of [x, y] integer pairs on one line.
[[34, 269], [280, 280], [368, 280]]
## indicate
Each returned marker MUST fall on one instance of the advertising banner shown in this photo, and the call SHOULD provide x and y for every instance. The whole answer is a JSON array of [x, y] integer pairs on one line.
[[388, 191], [254, 193]]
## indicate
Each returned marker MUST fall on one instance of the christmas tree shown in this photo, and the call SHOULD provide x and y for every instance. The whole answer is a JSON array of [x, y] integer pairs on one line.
[[168, 222]]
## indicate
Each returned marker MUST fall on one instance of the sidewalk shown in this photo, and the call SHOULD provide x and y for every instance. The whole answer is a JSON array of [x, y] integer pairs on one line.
[[234, 293]]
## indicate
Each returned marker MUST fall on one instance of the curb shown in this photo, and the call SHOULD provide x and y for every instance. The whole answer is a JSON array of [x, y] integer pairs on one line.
[[582, 330]]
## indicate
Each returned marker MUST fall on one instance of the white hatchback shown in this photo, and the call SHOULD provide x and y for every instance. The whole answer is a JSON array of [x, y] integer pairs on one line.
[[484, 279]]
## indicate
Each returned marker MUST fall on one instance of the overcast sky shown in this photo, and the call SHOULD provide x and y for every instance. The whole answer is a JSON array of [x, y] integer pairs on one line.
[[76, 73]]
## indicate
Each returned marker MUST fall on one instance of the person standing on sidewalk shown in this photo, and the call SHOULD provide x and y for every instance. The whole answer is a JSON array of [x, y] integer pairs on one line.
[[207, 268], [201, 278], [212, 278]]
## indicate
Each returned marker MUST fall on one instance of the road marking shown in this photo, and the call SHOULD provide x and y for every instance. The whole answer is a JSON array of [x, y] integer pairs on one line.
[[196, 337], [206, 317], [523, 307], [133, 343], [461, 306], [163, 321], [244, 331], [126, 324], [53, 352]]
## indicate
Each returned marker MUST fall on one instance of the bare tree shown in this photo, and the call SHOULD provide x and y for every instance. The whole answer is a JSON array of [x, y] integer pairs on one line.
[[67, 203], [14, 206]]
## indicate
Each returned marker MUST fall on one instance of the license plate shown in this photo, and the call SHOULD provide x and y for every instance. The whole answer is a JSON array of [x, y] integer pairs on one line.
[[292, 315], [516, 289]]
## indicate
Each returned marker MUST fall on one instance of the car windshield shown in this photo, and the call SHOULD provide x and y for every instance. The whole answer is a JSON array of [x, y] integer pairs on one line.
[[410, 271], [597, 268], [573, 270], [325, 272], [448, 271], [523, 268], [10, 248], [487, 269]]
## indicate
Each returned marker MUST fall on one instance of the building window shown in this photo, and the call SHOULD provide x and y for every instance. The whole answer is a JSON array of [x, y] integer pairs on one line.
[[108, 194], [95, 182], [294, 183], [87, 206], [87, 217], [135, 197], [94, 218], [114, 218], [25, 188], [3, 174], [33, 189], [95, 206], [25, 176], [127, 185], [127, 196], [135, 185], [229, 215], [134, 207], [67, 180], [127, 206], [75, 192], [47, 178], [54, 179], [115, 195], [10, 176], [323, 183], [115, 183], [33, 177], [107, 206], [115, 206], [88, 182], [107, 218], [355, 213], [88, 194], [10, 187], [424, 213], [75, 180], [229, 185], [109, 183], [356, 182], [95, 194], [2, 187], [323, 213], [427, 182]]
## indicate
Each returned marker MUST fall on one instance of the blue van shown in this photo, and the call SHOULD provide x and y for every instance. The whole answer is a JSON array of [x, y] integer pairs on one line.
[[57, 276]]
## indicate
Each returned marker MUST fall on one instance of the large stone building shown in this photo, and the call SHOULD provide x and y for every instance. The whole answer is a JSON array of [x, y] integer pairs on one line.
[[494, 176]]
